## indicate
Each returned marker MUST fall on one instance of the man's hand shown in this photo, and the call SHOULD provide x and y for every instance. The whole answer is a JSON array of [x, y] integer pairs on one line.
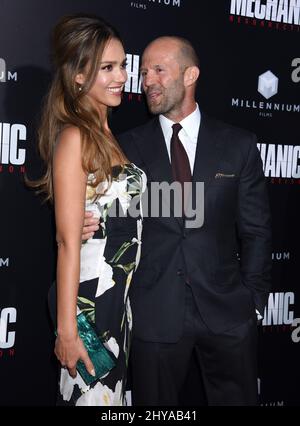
[[90, 226]]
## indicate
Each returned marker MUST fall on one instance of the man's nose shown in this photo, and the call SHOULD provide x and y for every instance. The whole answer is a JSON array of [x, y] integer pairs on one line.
[[148, 79]]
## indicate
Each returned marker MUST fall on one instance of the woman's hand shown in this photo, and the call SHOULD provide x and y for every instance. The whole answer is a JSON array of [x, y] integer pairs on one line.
[[69, 350]]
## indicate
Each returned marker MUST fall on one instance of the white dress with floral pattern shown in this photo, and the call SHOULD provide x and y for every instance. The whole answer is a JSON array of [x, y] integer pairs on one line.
[[108, 261]]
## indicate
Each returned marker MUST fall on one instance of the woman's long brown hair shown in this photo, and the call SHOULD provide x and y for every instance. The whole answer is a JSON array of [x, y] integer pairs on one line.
[[78, 43]]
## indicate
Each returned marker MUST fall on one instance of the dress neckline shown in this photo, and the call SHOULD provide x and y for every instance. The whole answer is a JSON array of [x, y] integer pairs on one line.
[[121, 165]]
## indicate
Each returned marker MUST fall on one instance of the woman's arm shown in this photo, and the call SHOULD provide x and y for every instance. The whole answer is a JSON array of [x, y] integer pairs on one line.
[[69, 181]]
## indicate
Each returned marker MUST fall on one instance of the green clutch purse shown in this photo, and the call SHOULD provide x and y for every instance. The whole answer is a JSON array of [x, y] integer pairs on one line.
[[102, 359]]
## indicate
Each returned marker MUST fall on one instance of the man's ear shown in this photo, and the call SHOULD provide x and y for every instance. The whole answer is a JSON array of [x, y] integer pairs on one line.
[[191, 75]]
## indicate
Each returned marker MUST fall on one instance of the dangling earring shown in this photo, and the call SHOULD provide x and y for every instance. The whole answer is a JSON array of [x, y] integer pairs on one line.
[[80, 88]]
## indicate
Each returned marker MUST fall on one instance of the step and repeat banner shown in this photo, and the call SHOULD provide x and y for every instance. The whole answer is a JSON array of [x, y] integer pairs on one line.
[[250, 77]]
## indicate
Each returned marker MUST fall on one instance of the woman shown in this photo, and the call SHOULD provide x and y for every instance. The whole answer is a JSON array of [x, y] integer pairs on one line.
[[86, 169]]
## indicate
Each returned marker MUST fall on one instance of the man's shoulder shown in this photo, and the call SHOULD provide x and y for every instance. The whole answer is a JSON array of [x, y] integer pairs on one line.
[[133, 141], [137, 132], [227, 129], [234, 141]]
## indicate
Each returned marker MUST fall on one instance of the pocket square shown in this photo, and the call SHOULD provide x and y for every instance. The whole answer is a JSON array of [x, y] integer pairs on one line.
[[223, 175]]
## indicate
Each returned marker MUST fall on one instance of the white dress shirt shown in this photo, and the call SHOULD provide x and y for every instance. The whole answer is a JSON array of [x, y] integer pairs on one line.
[[188, 135]]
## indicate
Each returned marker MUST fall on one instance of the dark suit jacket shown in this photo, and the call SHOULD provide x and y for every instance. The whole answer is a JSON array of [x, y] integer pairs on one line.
[[237, 220]]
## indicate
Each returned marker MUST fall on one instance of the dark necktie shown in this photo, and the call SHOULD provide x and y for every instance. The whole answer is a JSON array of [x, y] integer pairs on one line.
[[180, 162], [179, 159]]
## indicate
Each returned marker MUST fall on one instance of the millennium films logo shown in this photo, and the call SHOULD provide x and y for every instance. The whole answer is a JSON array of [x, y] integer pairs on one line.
[[133, 85], [8, 318], [6, 75], [145, 4], [267, 84], [279, 313], [267, 87], [283, 15], [280, 162], [12, 152]]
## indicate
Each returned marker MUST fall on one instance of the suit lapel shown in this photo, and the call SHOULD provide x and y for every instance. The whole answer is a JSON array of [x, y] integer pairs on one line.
[[207, 154], [154, 152], [206, 162]]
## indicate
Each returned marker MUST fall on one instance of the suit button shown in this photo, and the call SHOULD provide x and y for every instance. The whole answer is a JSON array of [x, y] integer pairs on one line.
[[179, 272]]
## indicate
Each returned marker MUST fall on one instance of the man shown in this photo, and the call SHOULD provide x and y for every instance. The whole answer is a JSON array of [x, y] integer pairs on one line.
[[191, 294]]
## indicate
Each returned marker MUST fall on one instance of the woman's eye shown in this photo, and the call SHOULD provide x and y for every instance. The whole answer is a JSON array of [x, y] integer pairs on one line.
[[124, 65], [107, 67]]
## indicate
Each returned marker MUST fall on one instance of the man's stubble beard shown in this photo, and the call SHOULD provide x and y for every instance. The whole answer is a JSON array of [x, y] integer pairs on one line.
[[170, 101]]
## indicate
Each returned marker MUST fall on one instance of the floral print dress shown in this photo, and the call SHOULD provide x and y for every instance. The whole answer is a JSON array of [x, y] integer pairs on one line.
[[108, 261]]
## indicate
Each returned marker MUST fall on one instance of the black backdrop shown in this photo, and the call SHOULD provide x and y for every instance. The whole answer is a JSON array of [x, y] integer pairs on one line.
[[234, 51]]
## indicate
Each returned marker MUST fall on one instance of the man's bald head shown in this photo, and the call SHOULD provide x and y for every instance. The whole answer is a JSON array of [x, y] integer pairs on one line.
[[182, 48]]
